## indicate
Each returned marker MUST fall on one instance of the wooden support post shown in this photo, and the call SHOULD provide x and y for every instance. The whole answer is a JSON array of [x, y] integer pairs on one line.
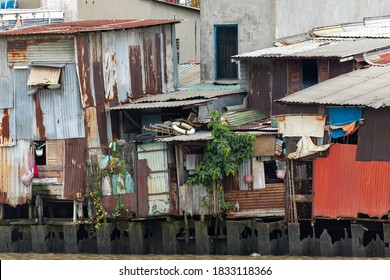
[[1, 211]]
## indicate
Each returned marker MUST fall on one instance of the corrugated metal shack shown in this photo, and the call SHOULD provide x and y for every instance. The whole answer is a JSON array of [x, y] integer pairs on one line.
[[299, 62], [57, 82], [351, 179]]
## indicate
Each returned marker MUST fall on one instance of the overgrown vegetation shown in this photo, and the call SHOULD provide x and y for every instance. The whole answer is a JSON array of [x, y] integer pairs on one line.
[[107, 166], [223, 155]]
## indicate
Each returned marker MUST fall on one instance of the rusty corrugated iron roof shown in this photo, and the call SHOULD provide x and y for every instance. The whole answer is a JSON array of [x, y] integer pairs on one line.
[[74, 27], [365, 87]]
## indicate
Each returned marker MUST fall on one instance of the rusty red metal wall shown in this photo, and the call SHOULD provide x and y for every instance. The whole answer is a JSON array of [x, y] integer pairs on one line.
[[135, 70], [84, 70], [344, 187], [259, 95], [75, 158], [279, 86], [337, 68]]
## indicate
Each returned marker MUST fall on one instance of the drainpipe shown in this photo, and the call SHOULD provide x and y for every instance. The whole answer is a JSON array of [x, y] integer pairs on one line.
[[74, 211]]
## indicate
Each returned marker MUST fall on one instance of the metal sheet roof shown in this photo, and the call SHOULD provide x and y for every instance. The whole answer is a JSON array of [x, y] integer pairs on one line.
[[170, 104], [239, 118], [322, 48], [185, 95], [374, 27], [73, 27], [203, 136], [189, 74], [366, 87]]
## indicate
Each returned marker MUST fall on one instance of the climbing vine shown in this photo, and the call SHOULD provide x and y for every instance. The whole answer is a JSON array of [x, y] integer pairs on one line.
[[108, 166], [223, 155]]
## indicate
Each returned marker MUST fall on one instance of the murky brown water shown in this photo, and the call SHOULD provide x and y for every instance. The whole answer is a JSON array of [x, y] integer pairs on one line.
[[50, 256]]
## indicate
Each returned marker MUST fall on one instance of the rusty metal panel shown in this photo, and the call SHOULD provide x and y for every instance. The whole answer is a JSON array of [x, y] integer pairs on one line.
[[122, 65], [156, 156], [148, 64], [14, 159], [41, 75], [157, 63], [279, 86], [142, 188], [7, 127], [6, 78], [75, 158], [295, 76], [45, 50], [337, 68], [265, 202], [97, 68], [135, 71], [91, 127], [374, 135], [259, 95], [110, 65], [344, 187], [323, 70], [84, 70]]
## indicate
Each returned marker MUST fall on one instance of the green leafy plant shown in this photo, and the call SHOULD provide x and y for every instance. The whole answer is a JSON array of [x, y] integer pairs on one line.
[[116, 165], [223, 155]]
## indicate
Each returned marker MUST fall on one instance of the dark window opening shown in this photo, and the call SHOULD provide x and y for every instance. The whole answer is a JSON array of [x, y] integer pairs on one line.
[[270, 168], [350, 139], [40, 152], [18, 212], [310, 72], [226, 46]]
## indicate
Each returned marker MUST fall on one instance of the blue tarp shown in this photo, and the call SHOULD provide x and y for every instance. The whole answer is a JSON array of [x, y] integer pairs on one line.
[[342, 116]]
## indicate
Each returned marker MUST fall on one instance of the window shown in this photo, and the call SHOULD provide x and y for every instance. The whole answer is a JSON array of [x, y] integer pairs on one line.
[[47, 77], [48, 152], [226, 45]]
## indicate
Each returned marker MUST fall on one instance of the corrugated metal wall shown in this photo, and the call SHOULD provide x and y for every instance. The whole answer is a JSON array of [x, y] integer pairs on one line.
[[25, 50], [374, 135], [12, 190], [7, 127], [6, 78], [156, 53], [259, 95], [158, 180], [344, 187], [337, 68], [75, 158], [49, 114], [279, 86]]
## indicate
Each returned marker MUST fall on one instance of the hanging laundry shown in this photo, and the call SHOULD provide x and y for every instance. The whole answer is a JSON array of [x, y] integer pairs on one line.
[[306, 147], [298, 126]]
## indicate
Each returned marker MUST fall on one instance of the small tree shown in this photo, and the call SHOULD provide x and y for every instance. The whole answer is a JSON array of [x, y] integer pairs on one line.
[[223, 155]]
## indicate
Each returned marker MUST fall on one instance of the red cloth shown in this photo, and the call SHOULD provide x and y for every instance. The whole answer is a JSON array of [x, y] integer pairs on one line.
[[35, 170]]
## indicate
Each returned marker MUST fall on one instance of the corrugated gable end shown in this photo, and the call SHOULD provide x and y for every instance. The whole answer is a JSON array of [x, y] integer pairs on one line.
[[49, 49]]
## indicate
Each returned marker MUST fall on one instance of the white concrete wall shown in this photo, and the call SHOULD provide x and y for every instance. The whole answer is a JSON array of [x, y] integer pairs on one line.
[[262, 21], [255, 27], [299, 16]]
